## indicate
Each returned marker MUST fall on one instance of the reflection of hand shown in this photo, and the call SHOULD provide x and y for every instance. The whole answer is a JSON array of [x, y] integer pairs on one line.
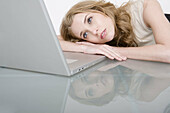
[[103, 49]]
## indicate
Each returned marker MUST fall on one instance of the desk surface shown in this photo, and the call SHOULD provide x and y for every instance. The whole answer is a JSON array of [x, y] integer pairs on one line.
[[109, 87]]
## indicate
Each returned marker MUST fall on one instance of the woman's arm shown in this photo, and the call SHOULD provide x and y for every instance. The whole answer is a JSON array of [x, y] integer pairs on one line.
[[155, 19], [89, 48], [155, 52], [69, 46]]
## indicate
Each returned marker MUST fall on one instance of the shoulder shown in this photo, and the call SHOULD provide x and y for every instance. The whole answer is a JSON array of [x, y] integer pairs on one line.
[[146, 2], [151, 10], [154, 18], [150, 2]]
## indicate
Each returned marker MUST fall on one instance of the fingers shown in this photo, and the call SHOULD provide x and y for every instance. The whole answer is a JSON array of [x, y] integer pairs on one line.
[[105, 53], [106, 50], [112, 54], [116, 54]]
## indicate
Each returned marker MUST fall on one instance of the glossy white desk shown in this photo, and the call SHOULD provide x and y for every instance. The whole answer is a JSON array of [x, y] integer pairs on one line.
[[109, 87]]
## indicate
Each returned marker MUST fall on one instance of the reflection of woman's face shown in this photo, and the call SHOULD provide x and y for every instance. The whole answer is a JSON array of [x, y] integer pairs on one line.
[[93, 86]]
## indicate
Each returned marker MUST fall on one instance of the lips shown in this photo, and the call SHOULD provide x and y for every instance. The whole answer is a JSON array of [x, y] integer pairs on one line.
[[103, 34]]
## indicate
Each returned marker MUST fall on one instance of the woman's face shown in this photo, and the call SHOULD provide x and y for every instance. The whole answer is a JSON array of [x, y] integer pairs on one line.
[[93, 86], [93, 27]]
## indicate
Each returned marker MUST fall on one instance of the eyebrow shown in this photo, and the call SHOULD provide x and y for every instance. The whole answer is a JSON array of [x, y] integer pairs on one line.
[[85, 18]]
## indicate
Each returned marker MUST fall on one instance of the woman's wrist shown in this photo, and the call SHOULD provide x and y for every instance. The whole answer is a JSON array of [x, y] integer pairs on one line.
[[82, 48]]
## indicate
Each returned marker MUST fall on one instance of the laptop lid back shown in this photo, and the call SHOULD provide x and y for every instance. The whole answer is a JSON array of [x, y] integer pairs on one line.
[[27, 38]]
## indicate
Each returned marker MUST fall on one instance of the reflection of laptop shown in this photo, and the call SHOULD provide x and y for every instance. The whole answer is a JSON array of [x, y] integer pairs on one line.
[[49, 95], [28, 41]]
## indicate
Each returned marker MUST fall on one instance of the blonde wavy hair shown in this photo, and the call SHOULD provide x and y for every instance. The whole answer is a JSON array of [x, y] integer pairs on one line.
[[124, 35]]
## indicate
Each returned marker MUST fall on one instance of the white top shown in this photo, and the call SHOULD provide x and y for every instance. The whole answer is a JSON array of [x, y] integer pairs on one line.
[[144, 34]]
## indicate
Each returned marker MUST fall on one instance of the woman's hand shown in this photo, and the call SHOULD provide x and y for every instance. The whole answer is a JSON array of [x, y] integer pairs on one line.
[[103, 49]]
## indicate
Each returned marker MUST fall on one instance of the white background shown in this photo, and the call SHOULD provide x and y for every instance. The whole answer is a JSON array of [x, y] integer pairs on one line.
[[57, 9]]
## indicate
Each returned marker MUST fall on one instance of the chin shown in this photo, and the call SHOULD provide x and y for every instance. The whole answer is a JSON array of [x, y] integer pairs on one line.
[[110, 39], [101, 43]]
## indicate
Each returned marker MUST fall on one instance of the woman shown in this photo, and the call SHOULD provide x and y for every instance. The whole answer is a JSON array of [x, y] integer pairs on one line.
[[136, 30]]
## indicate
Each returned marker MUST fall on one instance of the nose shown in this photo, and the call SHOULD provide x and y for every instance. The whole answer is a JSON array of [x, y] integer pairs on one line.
[[94, 31]]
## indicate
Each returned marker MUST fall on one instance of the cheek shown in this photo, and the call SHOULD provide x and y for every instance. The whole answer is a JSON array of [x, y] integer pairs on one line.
[[99, 22], [92, 38]]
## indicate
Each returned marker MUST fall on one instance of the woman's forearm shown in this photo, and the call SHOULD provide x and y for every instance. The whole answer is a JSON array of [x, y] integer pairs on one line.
[[156, 52], [69, 46]]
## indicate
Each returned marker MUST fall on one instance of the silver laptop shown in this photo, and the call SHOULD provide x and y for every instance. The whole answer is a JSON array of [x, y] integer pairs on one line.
[[28, 41]]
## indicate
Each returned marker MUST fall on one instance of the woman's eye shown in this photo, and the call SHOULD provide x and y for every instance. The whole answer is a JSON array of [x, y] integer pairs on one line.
[[91, 92], [89, 20], [85, 35]]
